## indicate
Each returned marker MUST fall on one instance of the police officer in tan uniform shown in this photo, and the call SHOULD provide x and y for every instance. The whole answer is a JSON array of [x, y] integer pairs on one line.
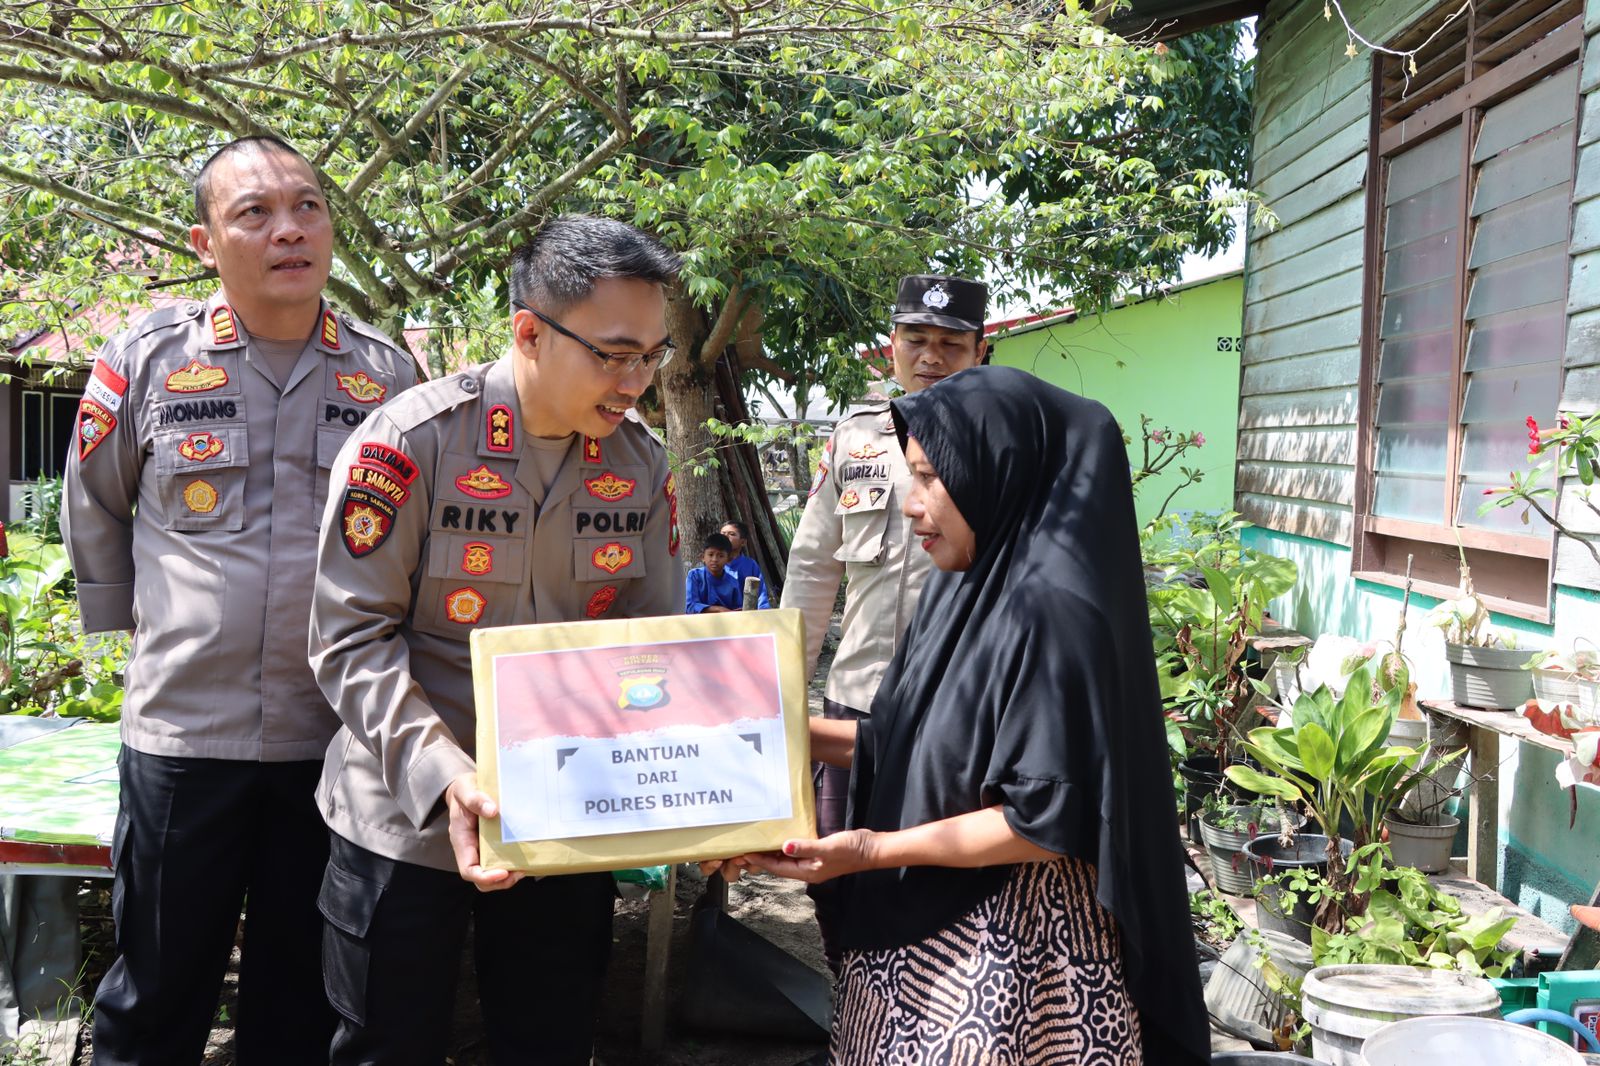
[[193, 494], [519, 492], [853, 528]]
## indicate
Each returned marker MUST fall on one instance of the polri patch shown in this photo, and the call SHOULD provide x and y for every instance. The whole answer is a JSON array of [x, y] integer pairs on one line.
[[610, 487], [670, 489], [365, 521], [200, 446], [483, 484], [601, 602], [389, 458], [477, 558], [465, 605], [200, 496], [359, 387], [497, 430], [95, 424], [612, 556], [197, 377]]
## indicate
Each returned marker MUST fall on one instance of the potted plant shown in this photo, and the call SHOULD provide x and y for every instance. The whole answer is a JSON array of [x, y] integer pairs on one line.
[[1486, 668], [1225, 829], [1334, 760], [1207, 595]]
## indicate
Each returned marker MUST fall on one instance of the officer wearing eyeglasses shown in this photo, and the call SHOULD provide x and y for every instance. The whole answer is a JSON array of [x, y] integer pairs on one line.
[[518, 492]]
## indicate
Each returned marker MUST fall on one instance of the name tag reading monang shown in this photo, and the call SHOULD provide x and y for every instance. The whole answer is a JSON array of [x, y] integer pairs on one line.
[[636, 742]]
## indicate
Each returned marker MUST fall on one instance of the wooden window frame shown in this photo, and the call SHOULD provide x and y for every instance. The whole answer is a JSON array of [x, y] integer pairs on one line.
[[1511, 572]]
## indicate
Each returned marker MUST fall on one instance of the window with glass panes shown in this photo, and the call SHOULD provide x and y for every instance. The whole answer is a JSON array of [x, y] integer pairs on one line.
[[1468, 230]]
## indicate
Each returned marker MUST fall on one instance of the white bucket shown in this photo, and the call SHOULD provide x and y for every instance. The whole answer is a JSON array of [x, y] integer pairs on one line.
[[1409, 732], [1465, 1042], [1347, 1004]]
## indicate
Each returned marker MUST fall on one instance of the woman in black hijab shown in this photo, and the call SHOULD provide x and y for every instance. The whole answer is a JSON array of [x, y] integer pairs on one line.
[[1014, 887]]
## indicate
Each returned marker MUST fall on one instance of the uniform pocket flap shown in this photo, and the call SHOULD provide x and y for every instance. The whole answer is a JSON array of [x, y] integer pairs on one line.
[[179, 452], [860, 497], [329, 440], [348, 901], [465, 558]]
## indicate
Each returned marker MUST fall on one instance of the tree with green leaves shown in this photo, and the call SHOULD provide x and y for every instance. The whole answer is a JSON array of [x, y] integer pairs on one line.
[[799, 156]]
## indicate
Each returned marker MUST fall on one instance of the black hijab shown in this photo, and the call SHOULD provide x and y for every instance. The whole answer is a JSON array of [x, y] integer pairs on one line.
[[1029, 681]]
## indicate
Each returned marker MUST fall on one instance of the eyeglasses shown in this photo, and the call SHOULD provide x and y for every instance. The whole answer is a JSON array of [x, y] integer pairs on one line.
[[612, 362]]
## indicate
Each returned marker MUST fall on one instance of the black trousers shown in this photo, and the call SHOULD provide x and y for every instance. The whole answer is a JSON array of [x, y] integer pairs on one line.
[[392, 952], [833, 802], [196, 839]]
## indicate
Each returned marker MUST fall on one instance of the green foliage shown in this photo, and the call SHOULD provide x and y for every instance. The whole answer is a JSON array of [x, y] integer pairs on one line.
[[800, 158], [44, 518], [47, 664], [1334, 759], [1213, 916], [1409, 922], [1207, 600]]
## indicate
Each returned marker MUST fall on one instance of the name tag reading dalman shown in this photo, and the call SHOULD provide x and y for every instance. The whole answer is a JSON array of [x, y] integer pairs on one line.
[[637, 742]]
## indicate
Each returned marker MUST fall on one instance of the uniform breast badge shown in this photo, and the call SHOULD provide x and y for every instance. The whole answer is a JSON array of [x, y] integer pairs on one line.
[[359, 387], [477, 558], [465, 606], [483, 484], [610, 487], [200, 497], [612, 557]]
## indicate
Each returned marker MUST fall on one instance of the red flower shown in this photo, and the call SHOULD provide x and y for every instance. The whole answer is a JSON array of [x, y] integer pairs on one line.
[[1533, 424]]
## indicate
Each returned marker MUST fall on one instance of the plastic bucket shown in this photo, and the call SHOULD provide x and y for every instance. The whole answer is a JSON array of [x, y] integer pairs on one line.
[[1229, 867], [1261, 1058], [1464, 1042], [1347, 1004]]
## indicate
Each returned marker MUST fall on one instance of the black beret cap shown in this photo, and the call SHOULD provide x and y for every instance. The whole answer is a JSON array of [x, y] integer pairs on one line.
[[934, 300]]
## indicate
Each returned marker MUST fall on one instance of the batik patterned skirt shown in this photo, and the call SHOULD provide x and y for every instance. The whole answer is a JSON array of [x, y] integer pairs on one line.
[[1032, 975]]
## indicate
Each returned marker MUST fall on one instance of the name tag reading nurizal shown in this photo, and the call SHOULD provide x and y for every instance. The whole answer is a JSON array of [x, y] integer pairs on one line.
[[636, 742]]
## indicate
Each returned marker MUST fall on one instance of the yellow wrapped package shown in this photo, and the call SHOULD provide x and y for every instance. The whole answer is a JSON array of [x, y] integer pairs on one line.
[[637, 742]]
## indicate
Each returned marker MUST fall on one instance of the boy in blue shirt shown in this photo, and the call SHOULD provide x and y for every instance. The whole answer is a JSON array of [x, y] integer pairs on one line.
[[712, 588], [742, 564]]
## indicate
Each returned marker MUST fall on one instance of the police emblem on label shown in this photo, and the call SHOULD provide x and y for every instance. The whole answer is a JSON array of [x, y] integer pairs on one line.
[[365, 520], [330, 335], [867, 451], [465, 606], [601, 601], [874, 495], [612, 557], [477, 558], [484, 484], [95, 424], [200, 497], [610, 487], [850, 498], [223, 331], [591, 450], [197, 377], [363, 529], [498, 429], [359, 387], [644, 681], [198, 447], [671, 491], [936, 297]]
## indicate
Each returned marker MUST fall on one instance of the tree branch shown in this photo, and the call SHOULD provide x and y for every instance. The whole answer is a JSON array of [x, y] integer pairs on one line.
[[99, 204], [722, 330], [508, 144], [579, 86], [446, 264], [765, 364], [419, 118], [110, 93]]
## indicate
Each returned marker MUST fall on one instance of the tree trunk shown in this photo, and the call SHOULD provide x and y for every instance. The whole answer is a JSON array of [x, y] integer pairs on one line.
[[688, 394]]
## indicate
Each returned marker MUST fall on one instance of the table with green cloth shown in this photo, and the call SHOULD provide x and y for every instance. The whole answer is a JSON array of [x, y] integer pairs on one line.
[[58, 796]]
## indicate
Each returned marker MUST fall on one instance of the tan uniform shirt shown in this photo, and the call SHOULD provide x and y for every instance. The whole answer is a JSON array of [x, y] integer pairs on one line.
[[853, 529], [193, 495], [440, 524]]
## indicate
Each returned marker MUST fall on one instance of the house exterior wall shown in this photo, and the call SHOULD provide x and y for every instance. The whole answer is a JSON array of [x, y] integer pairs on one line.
[[1161, 357], [1298, 404]]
